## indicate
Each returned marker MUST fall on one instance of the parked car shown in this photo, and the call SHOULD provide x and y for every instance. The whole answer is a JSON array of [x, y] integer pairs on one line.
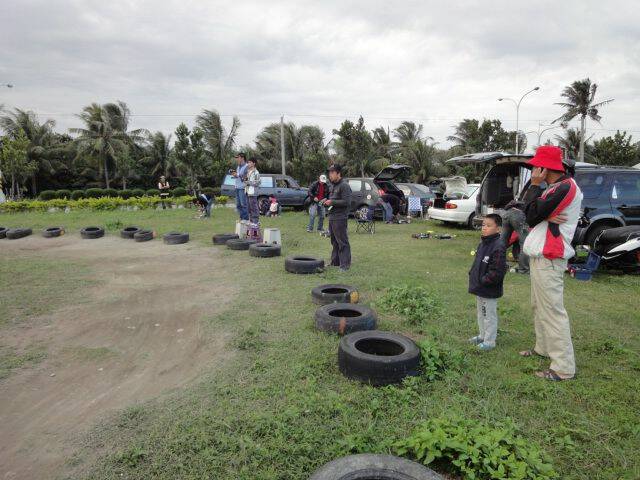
[[611, 194], [423, 192], [288, 192], [457, 204], [365, 192]]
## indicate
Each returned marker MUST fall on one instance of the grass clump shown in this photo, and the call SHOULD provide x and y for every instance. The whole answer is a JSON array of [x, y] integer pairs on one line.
[[436, 360], [416, 304]]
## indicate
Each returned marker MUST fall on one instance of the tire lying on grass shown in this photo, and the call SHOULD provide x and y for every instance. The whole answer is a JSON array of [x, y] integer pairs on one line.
[[175, 238], [303, 264], [344, 318], [374, 467], [90, 233], [144, 235], [334, 293], [264, 250], [221, 238], [240, 244], [15, 233], [3, 232], [129, 232], [52, 232], [378, 358]]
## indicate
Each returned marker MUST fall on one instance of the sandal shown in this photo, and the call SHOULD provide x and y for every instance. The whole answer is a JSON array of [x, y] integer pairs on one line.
[[552, 375]]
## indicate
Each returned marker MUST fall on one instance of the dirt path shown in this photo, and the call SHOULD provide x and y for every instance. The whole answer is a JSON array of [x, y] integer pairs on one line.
[[136, 334]]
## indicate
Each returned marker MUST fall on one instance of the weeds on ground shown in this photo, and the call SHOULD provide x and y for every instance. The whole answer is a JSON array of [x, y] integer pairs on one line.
[[417, 304], [437, 359], [250, 339], [10, 359]]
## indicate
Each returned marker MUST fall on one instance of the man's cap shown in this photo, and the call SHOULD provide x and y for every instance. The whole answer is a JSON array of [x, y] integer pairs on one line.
[[548, 156], [241, 154], [335, 168], [323, 178]]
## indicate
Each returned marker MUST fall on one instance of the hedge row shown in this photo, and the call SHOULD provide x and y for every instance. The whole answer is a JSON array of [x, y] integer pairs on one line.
[[113, 193], [104, 203]]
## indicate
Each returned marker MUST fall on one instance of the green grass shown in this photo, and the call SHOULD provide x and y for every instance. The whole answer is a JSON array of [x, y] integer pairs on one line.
[[282, 408], [11, 359]]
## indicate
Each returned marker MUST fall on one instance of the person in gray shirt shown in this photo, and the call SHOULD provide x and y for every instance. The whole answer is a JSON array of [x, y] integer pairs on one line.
[[338, 205]]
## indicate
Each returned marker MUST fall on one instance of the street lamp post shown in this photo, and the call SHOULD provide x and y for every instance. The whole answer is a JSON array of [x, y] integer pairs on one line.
[[517, 104], [8, 85], [540, 132]]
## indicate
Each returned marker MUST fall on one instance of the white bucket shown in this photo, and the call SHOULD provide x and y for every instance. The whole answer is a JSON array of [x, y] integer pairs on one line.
[[241, 229], [272, 236]]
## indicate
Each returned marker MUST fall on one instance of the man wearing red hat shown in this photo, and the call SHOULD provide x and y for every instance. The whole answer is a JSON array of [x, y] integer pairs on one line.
[[552, 214]]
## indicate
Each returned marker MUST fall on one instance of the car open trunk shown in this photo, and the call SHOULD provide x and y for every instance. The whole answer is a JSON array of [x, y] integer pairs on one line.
[[451, 187], [385, 181]]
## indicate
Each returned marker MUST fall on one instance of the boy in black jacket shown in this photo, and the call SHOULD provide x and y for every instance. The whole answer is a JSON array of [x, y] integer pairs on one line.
[[485, 281]]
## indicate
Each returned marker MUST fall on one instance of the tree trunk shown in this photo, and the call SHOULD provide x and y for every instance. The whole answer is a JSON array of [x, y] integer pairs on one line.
[[13, 187], [124, 183], [34, 186], [106, 173], [582, 135]]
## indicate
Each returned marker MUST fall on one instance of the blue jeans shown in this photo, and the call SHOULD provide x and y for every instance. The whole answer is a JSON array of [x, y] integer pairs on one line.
[[207, 209], [387, 212], [316, 210], [241, 204]]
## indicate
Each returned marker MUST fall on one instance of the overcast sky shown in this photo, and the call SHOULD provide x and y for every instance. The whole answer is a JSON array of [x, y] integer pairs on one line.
[[320, 62]]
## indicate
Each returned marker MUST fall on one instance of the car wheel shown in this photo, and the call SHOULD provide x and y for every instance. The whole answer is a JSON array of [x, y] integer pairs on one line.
[[3, 232], [222, 238], [264, 250], [334, 293], [378, 358], [175, 238], [129, 232], [470, 223], [595, 231], [344, 318], [91, 233], [303, 265], [15, 233], [144, 235], [239, 244], [52, 232], [371, 467]]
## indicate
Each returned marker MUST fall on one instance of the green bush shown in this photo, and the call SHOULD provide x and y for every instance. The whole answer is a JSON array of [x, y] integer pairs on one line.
[[437, 359], [222, 199], [63, 194], [126, 194], [47, 195], [137, 192], [77, 194], [475, 450], [210, 192], [417, 304], [111, 192], [178, 192], [94, 193], [153, 192], [102, 203]]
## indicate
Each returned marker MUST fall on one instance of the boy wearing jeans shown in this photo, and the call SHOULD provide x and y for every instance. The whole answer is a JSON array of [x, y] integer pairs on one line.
[[485, 281]]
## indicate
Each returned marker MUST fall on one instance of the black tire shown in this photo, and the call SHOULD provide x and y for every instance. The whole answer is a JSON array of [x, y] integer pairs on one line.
[[143, 235], [52, 232], [15, 233], [239, 244], [378, 358], [345, 318], [303, 264], [221, 238], [91, 233], [3, 232], [334, 293], [264, 250], [129, 232], [374, 467], [594, 232], [175, 238]]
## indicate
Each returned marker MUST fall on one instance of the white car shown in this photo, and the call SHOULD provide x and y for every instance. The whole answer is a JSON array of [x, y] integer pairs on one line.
[[458, 205]]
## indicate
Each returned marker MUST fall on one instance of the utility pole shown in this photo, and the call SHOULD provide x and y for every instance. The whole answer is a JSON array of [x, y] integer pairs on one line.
[[282, 144]]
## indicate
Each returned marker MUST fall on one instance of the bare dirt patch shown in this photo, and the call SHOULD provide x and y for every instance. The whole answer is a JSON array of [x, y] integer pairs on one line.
[[138, 332]]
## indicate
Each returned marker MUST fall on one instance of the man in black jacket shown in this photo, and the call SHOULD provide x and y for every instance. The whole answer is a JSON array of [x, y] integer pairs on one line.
[[485, 281], [338, 206]]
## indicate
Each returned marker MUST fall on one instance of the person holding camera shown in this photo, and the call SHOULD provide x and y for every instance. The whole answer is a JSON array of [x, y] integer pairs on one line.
[[252, 189], [338, 205], [240, 174]]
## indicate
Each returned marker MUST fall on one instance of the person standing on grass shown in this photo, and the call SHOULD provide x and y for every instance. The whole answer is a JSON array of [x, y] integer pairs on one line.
[[253, 189], [338, 205], [163, 187], [318, 191], [514, 220], [485, 281], [553, 215], [241, 197]]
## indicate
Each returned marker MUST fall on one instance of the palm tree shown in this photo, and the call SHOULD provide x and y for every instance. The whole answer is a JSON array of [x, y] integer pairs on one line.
[[157, 154], [571, 142], [105, 134], [218, 142], [382, 143], [580, 97], [40, 136]]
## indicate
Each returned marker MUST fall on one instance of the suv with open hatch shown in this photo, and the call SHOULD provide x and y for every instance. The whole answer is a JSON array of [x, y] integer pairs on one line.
[[366, 191]]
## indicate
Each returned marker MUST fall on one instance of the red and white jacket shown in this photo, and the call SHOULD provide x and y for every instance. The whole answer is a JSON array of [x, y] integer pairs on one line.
[[546, 239]]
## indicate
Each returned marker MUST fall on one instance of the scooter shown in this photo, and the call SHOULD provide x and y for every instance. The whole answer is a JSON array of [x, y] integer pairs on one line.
[[619, 248]]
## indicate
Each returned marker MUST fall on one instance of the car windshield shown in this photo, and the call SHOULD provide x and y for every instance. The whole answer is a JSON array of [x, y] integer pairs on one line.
[[229, 180], [471, 189], [421, 188]]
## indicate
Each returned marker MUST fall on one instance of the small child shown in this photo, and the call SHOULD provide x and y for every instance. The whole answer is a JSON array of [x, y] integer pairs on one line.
[[485, 281], [273, 206]]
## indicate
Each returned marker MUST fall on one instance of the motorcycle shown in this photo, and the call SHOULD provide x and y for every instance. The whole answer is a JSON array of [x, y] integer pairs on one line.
[[619, 248]]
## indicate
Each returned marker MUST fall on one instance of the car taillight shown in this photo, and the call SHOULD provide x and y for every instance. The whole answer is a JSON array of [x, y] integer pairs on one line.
[[381, 192], [430, 203], [450, 205]]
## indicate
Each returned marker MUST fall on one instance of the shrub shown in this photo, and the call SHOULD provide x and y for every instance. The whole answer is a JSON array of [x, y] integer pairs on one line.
[[77, 194], [179, 192], [438, 359], [94, 193], [417, 304], [137, 192], [63, 194], [210, 192], [476, 450], [125, 194], [153, 192], [47, 195], [222, 199], [102, 203], [111, 192]]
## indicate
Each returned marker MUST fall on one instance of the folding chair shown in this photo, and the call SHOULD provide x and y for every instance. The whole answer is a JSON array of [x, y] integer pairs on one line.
[[415, 205], [366, 222]]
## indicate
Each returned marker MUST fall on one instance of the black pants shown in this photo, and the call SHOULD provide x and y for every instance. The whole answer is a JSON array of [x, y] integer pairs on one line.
[[341, 254]]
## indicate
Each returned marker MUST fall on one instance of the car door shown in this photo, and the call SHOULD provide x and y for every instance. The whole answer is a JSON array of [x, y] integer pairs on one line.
[[357, 194], [283, 191], [625, 196], [296, 194]]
